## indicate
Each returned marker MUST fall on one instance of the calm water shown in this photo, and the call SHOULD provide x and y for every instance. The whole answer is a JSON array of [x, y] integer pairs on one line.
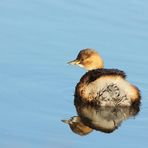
[[37, 38]]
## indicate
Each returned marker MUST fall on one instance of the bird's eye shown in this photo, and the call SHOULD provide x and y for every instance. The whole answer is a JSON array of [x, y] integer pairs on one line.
[[82, 60]]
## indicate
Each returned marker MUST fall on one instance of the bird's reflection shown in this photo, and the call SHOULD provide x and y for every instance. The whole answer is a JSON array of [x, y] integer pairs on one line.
[[104, 119]]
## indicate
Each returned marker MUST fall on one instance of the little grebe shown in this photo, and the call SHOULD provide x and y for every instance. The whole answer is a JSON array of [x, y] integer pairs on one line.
[[103, 87]]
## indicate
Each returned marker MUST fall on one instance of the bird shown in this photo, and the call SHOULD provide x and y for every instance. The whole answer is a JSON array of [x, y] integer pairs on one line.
[[101, 86]]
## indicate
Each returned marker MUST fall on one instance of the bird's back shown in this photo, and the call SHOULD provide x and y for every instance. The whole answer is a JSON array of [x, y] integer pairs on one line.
[[106, 87]]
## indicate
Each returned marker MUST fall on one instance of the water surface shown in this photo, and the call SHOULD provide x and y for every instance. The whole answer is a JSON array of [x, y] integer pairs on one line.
[[37, 39]]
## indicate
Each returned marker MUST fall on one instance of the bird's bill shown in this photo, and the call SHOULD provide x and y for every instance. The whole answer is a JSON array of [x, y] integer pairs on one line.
[[74, 62]]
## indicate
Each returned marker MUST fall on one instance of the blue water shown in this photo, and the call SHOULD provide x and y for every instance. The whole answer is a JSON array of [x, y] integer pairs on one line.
[[37, 39]]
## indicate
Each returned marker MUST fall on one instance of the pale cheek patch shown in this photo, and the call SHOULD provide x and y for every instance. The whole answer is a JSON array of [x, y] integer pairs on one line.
[[80, 65]]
